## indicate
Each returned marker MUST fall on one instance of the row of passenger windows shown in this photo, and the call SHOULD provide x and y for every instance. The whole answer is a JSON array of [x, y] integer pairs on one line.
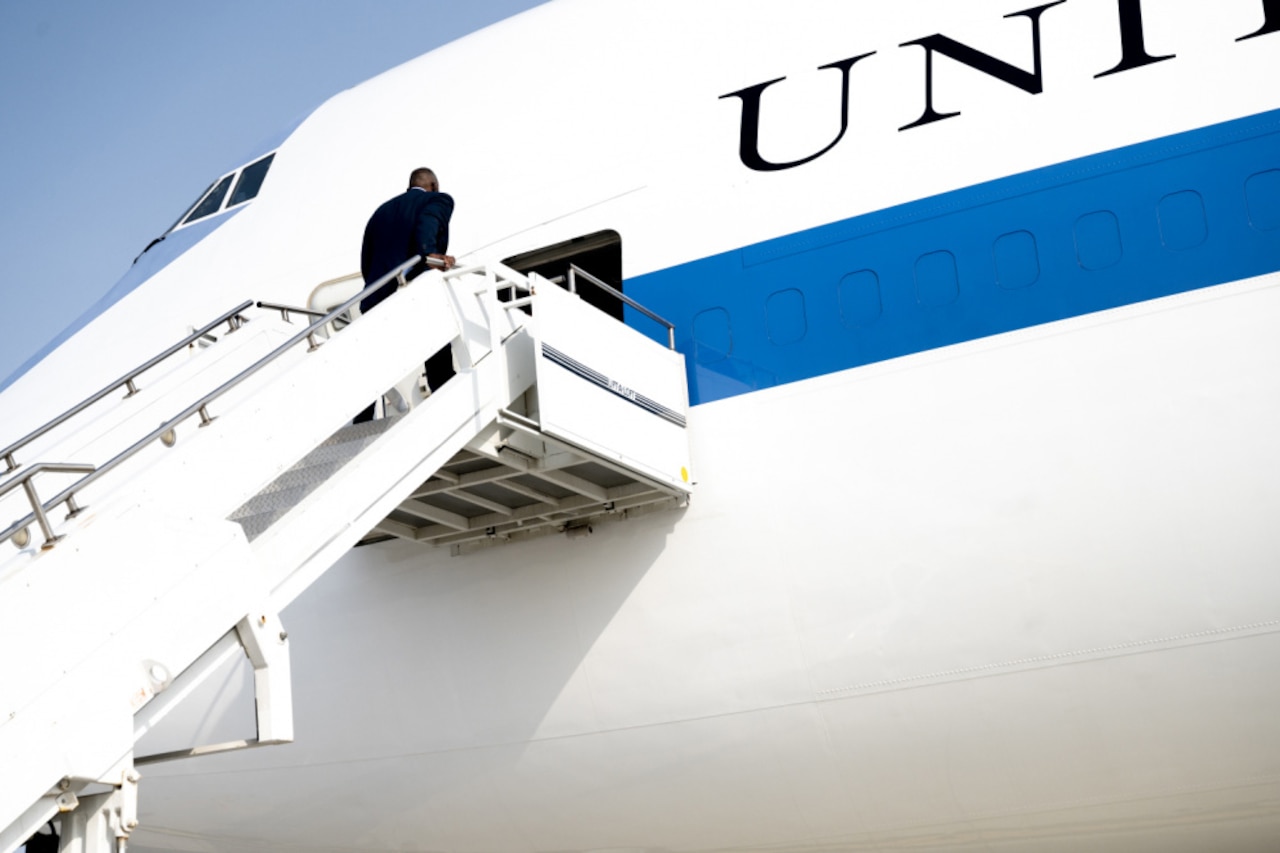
[[1181, 222], [219, 196]]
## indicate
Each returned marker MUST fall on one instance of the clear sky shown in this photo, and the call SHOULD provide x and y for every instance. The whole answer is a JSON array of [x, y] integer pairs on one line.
[[115, 115]]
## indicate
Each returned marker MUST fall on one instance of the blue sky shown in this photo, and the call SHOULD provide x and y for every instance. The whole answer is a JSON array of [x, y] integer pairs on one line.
[[115, 115]]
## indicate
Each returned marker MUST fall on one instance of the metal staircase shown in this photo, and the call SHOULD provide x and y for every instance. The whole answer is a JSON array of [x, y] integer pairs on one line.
[[180, 548]]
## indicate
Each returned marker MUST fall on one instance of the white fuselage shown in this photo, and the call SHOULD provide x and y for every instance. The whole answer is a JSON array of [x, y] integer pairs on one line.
[[1018, 590]]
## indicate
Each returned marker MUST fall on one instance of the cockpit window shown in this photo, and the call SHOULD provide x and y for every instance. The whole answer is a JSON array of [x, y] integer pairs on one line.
[[199, 199], [247, 181], [211, 203], [250, 181]]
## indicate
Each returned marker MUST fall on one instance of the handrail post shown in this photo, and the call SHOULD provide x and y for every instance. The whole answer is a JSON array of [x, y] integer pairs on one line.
[[10, 462], [43, 520], [133, 389], [495, 315]]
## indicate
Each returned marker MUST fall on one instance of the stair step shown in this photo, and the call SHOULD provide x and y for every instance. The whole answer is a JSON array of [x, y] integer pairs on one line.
[[277, 498], [368, 430], [301, 475], [255, 525], [289, 489]]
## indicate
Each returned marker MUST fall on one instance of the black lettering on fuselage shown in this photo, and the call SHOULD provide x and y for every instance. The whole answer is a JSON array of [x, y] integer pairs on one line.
[[1133, 46], [749, 139], [1133, 54], [1028, 81], [1270, 22]]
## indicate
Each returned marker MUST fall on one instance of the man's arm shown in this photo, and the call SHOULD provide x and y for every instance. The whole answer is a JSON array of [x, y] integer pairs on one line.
[[433, 227]]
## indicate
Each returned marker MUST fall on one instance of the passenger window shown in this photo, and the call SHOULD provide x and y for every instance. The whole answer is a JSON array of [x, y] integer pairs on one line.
[[211, 203], [250, 181]]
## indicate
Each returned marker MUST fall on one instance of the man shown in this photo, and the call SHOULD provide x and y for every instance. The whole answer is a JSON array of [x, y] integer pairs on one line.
[[416, 222]]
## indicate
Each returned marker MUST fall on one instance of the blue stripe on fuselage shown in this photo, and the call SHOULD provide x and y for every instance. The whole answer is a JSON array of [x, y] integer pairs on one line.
[[1183, 212]]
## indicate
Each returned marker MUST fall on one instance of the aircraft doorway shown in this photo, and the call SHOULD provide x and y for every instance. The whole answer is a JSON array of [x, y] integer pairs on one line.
[[598, 254]]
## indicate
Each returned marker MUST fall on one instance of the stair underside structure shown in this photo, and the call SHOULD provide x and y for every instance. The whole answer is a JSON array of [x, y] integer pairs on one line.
[[507, 494], [182, 555], [496, 491]]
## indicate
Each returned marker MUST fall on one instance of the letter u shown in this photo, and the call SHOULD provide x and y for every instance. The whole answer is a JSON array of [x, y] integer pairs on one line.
[[749, 142]]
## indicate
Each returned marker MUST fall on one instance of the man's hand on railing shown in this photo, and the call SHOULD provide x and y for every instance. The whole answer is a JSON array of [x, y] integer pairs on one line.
[[444, 262]]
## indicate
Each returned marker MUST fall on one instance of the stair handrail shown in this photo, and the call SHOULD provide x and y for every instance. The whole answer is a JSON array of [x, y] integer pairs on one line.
[[166, 432], [286, 310], [231, 317]]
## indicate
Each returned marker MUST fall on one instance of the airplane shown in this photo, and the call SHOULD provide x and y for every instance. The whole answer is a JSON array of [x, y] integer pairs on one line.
[[974, 547]]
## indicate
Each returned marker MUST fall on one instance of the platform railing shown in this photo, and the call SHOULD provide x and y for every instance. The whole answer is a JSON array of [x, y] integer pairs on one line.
[[576, 272]]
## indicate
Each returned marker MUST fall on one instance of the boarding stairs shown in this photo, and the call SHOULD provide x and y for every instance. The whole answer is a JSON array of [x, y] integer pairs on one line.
[[206, 489]]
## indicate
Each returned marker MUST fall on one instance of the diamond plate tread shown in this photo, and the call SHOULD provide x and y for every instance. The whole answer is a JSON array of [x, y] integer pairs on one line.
[[302, 475], [346, 442], [277, 499], [285, 492], [368, 429], [255, 525]]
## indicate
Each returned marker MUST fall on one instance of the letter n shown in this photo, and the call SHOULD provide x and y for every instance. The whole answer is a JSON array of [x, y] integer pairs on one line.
[[1271, 20], [1028, 81], [749, 140]]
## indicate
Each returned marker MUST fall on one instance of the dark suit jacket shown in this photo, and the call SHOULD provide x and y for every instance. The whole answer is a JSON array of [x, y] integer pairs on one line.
[[416, 222]]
